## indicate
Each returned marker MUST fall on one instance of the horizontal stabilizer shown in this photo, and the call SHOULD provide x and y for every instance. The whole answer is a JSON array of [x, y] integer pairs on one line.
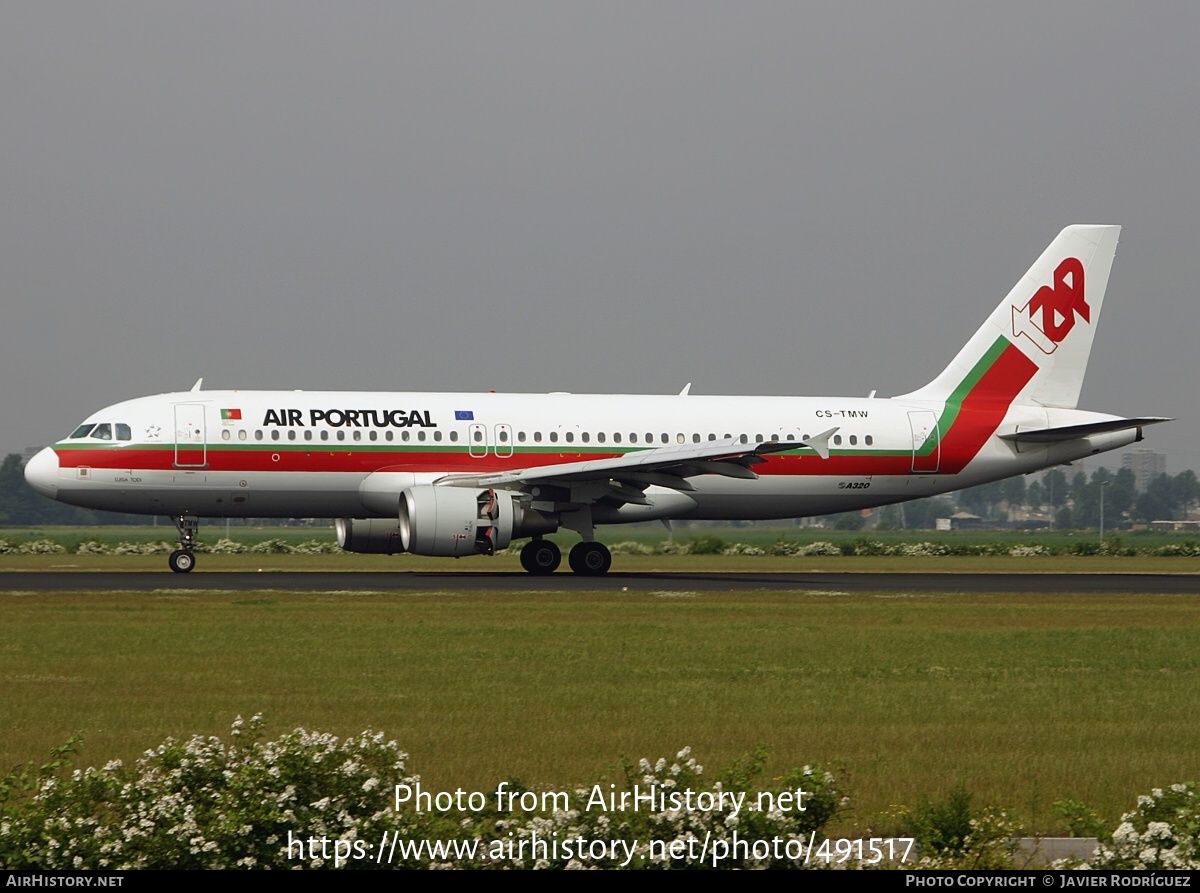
[[1075, 432]]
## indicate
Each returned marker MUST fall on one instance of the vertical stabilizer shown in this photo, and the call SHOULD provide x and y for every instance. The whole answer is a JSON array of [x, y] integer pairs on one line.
[[1035, 345]]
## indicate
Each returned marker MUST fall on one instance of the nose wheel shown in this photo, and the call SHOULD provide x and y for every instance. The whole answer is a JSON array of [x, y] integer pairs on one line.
[[183, 559]]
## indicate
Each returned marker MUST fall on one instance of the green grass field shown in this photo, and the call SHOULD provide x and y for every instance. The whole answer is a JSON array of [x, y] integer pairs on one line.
[[1023, 699]]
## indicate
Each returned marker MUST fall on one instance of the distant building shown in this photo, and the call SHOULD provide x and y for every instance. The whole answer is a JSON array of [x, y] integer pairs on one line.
[[1146, 465]]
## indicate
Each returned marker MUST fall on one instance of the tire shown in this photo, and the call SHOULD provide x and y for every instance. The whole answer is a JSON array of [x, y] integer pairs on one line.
[[182, 561], [590, 559], [540, 557]]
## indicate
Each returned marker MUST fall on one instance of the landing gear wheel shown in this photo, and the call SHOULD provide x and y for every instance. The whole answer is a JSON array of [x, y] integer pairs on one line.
[[590, 559], [540, 557], [182, 561]]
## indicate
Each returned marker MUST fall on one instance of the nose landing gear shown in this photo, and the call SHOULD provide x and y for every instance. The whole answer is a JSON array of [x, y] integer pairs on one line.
[[183, 559]]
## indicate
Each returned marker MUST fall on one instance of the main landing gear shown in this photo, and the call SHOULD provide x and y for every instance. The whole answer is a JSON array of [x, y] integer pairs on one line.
[[589, 559], [183, 559], [539, 556]]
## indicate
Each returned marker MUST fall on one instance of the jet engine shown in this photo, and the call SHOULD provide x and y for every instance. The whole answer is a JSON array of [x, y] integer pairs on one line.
[[455, 521], [373, 536], [446, 521]]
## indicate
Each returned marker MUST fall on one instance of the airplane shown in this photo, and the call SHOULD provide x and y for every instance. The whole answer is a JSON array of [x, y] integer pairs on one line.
[[461, 474]]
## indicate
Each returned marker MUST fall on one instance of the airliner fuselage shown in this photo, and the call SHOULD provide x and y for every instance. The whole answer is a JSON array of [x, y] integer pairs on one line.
[[467, 473]]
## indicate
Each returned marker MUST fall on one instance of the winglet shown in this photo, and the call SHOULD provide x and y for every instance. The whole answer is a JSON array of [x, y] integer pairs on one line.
[[199, 381], [687, 387]]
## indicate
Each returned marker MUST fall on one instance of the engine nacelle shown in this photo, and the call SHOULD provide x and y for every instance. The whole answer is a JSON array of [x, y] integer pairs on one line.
[[455, 521], [372, 536]]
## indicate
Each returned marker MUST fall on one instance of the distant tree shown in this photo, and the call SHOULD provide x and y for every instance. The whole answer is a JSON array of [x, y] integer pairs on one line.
[[1054, 483], [923, 513], [849, 521], [1187, 490], [21, 505], [982, 500], [1013, 490]]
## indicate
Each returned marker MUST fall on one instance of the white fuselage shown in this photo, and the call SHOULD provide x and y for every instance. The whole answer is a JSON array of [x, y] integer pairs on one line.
[[350, 454]]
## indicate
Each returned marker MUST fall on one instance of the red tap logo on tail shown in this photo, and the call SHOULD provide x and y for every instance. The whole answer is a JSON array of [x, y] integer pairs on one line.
[[1050, 314]]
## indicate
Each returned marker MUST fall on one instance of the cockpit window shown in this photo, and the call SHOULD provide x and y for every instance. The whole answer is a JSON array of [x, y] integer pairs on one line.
[[82, 430], [102, 432], [123, 432]]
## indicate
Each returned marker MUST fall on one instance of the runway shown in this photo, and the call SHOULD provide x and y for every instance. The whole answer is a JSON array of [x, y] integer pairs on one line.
[[414, 582]]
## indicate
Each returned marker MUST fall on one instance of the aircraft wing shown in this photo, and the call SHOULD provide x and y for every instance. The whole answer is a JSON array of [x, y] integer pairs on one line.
[[667, 466]]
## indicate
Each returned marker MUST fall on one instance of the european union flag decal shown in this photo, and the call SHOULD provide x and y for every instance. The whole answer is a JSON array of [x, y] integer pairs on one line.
[[464, 415]]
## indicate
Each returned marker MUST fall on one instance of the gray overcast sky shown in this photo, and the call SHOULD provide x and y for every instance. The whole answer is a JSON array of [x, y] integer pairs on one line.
[[781, 198]]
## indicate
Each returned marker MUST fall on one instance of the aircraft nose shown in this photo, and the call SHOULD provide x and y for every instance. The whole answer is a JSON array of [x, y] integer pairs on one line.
[[41, 473]]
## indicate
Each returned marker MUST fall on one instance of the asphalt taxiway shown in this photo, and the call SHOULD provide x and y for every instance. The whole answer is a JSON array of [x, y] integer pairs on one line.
[[416, 581]]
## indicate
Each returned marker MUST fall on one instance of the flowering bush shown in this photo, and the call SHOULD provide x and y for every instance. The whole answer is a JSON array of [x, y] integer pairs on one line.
[[208, 804], [743, 549], [820, 548], [1028, 551], [41, 547], [629, 547], [668, 830], [159, 548], [248, 803], [1162, 832]]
